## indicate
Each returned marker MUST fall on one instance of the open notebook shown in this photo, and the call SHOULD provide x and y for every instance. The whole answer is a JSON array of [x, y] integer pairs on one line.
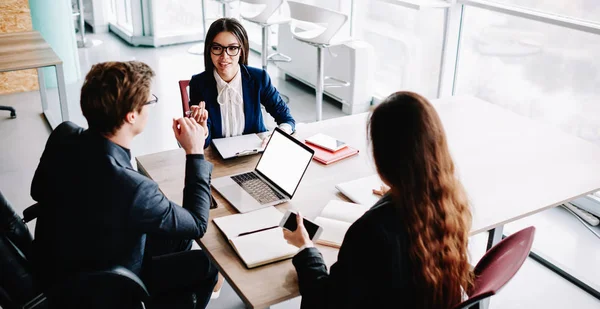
[[335, 219], [258, 248]]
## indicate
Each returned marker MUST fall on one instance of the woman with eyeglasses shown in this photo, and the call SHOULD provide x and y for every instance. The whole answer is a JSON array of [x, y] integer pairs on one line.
[[226, 98]]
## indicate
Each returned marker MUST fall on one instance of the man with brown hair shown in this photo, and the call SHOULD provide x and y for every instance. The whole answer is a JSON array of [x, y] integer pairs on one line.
[[98, 212]]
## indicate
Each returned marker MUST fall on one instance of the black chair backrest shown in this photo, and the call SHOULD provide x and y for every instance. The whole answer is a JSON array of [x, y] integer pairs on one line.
[[16, 277], [13, 227], [116, 287]]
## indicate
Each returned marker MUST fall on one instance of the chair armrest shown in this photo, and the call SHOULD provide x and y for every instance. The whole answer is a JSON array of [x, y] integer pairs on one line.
[[106, 287], [31, 212], [135, 280], [38, 302]]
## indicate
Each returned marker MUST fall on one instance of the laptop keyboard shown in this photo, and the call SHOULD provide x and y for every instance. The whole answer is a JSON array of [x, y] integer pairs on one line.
[[257, 188]]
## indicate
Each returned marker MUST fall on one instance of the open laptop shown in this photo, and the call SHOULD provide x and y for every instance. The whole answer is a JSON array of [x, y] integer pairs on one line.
[[275, 178]]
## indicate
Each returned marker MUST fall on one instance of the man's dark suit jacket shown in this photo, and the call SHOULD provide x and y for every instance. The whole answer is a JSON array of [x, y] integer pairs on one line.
[[372, 271], [97, 210]]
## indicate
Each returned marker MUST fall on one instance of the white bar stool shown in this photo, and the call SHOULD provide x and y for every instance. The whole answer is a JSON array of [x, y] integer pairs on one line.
[[266, 17], [318, 27]]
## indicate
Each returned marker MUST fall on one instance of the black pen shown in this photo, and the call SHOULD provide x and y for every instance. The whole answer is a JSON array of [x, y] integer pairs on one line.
[[252, 232]]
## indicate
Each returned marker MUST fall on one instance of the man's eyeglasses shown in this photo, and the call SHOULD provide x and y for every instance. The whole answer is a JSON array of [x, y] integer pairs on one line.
[[217, 49], [153, 101]]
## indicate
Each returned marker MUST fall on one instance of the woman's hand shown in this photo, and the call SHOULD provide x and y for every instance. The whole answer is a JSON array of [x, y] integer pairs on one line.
[[299, 237], [287, 128], [200, 114], [382, 190], [265, 141]]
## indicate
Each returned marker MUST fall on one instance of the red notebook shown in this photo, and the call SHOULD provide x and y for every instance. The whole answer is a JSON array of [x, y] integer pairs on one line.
[[327, 157]]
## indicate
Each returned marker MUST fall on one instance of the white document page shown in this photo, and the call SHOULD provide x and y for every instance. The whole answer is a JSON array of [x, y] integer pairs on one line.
[[263, 247], [360, 190], [231, 147], [333, 231], [343, 211]]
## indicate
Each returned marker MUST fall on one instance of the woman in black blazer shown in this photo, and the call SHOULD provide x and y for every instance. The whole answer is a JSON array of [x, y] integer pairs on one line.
[[410, 249], [226, 98]]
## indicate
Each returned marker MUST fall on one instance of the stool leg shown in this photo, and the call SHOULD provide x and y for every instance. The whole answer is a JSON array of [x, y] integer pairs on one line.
[[265, 46], [203, 21], [320, 82]]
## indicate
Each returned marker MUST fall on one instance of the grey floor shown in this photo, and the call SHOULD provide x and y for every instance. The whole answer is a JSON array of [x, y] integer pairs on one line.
[[22, 141]]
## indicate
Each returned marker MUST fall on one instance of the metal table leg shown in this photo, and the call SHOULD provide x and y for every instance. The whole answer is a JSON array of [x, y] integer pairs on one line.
[[494, 237], [62, 96], [42, 86], [62, 92], [52, 122]]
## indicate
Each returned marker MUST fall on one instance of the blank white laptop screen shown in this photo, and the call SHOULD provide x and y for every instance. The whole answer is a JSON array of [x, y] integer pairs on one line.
[[284, 162]]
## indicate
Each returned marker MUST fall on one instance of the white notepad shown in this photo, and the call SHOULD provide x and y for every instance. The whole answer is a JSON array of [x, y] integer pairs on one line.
[[335, 219], [360, 191], [258, 248], [238, 146]]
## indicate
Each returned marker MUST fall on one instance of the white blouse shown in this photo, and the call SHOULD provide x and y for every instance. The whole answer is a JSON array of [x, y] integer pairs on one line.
[[230, 98]]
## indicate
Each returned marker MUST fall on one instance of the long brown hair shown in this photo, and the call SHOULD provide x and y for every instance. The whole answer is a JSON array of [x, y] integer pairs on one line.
[[228, 25], [412, 156]]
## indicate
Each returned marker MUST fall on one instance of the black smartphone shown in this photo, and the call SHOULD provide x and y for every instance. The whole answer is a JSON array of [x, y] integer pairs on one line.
[[289, 222]]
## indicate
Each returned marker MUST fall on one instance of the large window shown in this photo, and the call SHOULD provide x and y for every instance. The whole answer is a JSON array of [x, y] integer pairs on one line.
[[535, 69], [407, 44], [122, 14], [579, 9], [534, 66], [174, 17], [534, 57]]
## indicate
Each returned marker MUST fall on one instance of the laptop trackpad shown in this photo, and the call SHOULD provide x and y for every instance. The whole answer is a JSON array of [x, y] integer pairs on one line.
[[238, 197]]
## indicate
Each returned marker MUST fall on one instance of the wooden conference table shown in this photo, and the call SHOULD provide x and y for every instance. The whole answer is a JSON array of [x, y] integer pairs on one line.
[[511, 167], [29, 50]]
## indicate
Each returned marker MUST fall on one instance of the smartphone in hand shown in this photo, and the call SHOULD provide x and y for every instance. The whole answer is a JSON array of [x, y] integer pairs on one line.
[[289, 222]]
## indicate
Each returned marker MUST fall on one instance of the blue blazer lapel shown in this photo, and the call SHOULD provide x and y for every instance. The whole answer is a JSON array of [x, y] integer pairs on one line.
[[249, 111]]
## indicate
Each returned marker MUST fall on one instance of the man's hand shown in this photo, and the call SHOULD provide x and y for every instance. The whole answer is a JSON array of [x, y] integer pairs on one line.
[[200, 114], [382, 190], [299, 237], [189, 134]]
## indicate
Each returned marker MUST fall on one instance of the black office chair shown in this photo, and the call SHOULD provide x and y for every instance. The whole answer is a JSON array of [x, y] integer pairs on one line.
[[116, 287], [13, 113]]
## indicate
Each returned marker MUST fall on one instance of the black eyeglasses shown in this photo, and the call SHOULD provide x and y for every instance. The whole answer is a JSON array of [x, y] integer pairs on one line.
[[153, 101], [217, 49]]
